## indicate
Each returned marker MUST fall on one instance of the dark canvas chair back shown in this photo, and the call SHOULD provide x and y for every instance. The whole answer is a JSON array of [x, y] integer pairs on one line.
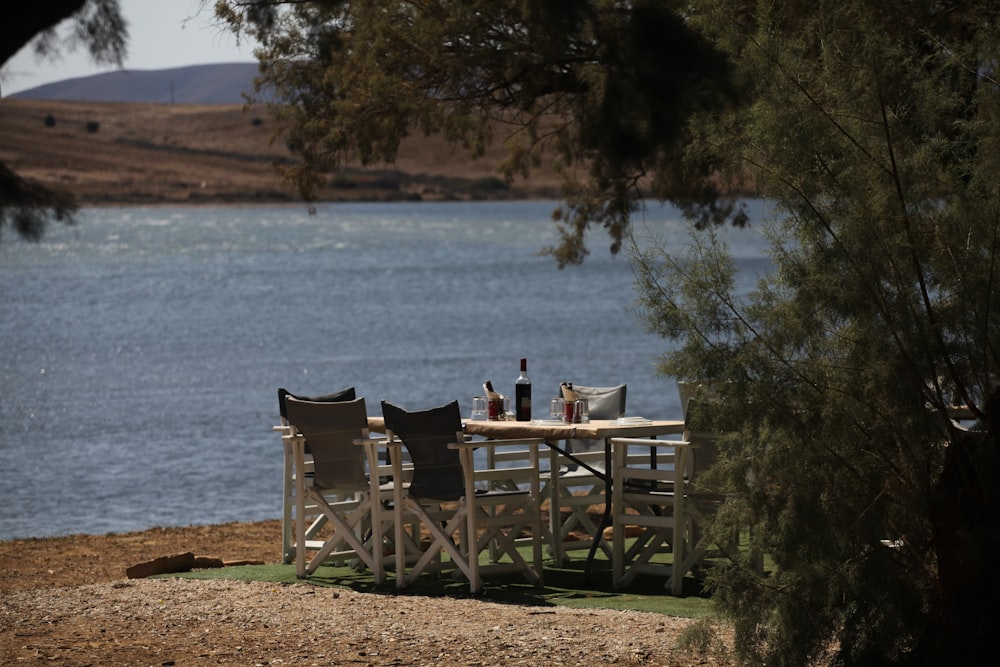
[[437, 469], [347, 394], [330, 429], [604, 402]]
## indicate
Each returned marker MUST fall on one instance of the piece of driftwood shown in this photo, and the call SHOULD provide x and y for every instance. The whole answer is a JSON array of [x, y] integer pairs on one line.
[[162, 565], [184, 562]]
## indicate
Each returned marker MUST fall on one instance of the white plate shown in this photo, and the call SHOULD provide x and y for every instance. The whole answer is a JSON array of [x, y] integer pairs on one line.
[[633, 420]]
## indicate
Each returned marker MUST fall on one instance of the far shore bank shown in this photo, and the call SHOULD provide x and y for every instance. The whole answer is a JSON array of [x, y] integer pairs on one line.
[[226, 202], [124, 154], [129, 155]]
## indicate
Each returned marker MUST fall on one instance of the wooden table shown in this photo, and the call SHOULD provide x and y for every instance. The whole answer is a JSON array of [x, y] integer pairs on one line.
[[556, 432], [553, 432]]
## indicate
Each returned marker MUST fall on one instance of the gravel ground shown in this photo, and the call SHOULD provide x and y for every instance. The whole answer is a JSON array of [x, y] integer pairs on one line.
[[66, 601]]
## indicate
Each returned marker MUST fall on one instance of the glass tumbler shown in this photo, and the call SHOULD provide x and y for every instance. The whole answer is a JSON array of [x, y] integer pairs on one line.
[[478, 408], [497, 408]]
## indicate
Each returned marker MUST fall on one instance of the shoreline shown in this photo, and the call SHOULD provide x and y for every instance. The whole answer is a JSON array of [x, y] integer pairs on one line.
[[224, 203], [158, 528], [81, 558]]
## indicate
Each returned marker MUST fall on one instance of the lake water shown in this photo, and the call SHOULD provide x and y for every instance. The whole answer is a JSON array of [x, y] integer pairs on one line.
[[141, 350]]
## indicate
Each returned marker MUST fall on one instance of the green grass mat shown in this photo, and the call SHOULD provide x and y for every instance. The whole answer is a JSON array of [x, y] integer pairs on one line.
[[565, 586]]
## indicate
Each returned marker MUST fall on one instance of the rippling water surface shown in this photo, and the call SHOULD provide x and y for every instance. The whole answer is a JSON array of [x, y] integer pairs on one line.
[[141, 350]]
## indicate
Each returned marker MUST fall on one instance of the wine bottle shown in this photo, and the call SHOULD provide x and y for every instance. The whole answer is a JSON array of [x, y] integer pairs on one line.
[[522, 394]]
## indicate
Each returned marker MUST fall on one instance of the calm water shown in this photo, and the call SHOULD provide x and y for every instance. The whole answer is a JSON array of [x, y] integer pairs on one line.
[[141, 350]]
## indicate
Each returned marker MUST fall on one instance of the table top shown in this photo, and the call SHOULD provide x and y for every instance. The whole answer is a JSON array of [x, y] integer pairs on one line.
[[552, 430]]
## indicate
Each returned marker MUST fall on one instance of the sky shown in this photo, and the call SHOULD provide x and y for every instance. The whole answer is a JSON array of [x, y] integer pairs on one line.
[[162, 34]]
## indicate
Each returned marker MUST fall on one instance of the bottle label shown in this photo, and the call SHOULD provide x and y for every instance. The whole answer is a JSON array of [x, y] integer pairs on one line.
[[522, 403]]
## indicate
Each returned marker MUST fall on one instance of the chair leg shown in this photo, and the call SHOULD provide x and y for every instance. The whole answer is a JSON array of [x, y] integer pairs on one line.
[[287, 513], [300, 539]]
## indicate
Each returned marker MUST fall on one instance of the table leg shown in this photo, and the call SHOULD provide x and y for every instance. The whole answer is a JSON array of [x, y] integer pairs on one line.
[[606, 518]]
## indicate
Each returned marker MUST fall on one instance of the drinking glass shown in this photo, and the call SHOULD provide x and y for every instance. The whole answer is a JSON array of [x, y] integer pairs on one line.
[[497, 408], [582, 414], [556, 409], [569, 412], [478, 408]]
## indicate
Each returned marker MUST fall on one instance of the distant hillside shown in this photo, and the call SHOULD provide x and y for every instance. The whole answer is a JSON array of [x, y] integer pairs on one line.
[[222, 83], [140, 153]]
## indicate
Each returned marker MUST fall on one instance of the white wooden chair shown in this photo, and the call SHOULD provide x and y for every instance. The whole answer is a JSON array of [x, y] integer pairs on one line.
[[696, 398], [573, 489], [312, 516], [348, 498], [651, 504], [659, 489], [451, 496]]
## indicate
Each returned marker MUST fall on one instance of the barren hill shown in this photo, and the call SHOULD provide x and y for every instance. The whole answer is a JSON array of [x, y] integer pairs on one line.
[[216, 83], [141, 153]]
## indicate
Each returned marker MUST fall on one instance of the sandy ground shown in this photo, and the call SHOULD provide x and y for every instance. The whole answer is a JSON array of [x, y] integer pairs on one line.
[[67, 601]]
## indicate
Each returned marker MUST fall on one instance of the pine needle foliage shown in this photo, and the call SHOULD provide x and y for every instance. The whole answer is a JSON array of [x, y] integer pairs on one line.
[[873, 128], [600, 90]]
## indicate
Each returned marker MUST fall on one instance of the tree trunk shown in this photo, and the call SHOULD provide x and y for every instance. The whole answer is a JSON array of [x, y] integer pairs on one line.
[[966, 525]]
